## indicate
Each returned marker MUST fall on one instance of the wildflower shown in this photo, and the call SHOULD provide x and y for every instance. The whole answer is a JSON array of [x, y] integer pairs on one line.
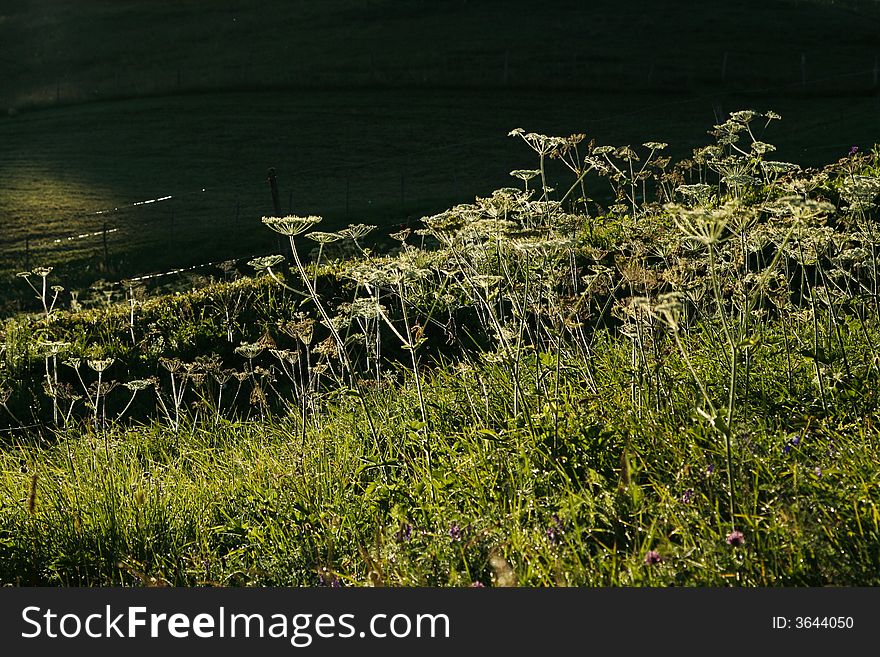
[[735, 538], [652, 558], [525, 174], [760, 147], [853, 150], [323, 238], [99, 365], [327, 578], [291, 225], [265, 262], [356, 231], [138, 384], [710, 469], [404, 534], [249, 350], [285, 355], [818, 472], [688, 496], [555, 530], [401, 235], [455, 532], [774, 166], [170, 364], [744, 116], [478, 585]]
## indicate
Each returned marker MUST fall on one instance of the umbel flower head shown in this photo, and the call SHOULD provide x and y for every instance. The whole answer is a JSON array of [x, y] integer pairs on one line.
[[291, 224], [265, 262], [323, 238]]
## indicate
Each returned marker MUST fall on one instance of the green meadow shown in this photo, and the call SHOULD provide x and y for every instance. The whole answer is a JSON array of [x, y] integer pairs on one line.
[[541, 304]]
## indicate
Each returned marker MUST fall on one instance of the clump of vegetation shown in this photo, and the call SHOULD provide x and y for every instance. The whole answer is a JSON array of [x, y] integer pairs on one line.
[[531, 389]]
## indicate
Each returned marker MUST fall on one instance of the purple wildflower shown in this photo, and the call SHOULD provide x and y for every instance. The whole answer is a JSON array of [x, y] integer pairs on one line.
[[818, 471], [555, 530], [404, 534], [735, 538], [455, 532], [478, 585], [652, 558], [853, 150], [327, 578], [688, 496], [710, 469]]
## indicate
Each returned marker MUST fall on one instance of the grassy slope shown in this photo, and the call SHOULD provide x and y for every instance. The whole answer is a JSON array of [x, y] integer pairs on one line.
[[608, 456]]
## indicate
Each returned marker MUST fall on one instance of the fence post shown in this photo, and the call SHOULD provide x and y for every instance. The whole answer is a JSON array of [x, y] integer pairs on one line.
[[284, 245]]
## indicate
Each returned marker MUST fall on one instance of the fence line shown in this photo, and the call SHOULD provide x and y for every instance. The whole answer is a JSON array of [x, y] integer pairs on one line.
[[191, 268], [345, 168]]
